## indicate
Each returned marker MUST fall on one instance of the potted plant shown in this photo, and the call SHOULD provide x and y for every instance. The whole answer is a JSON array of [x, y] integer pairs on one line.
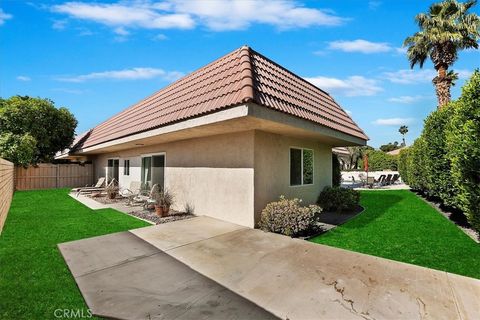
[[112, 190], [164, 200]]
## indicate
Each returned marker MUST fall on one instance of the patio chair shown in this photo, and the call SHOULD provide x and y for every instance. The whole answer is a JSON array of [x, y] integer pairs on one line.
[[395, 178], [135, 189], [97, 185], [380, 180], [370, 182], [387, 180], [148, 200]]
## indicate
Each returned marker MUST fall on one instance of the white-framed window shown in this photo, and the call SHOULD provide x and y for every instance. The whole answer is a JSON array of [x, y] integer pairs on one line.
[[301, 166], [126, 167]]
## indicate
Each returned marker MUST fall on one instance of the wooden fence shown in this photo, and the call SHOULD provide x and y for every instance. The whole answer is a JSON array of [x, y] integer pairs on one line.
[[47, 176], [6, 189]]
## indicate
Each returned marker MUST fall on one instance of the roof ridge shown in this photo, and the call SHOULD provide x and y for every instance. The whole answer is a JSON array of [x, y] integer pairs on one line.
[[246, 74]]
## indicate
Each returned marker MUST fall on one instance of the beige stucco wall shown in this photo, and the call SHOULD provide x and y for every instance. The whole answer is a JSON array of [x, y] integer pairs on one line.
[[213, 174], [230, 176], [272, 169]]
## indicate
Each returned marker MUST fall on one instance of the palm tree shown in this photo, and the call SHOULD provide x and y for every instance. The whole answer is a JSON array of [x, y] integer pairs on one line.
[[403, 131], [446, 29]]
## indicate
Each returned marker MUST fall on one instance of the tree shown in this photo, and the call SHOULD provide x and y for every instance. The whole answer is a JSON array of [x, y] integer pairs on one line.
[[20, 149], [38, 122], [356, 154], [403, 131], [390, 146], [446, 29]]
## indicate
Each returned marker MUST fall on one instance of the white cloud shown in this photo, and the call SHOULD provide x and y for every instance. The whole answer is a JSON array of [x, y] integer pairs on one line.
[[393, 121], [125, 74], [408, 76], [23, 78], [59, 24], [160, 37], [4, 17], [216, 15], [348, 112], [408, 99], [351, 86], [123, 14], [220, 15], [360, 45]]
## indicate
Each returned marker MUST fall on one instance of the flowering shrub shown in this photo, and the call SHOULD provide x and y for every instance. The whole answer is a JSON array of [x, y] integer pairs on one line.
[[288, 217]]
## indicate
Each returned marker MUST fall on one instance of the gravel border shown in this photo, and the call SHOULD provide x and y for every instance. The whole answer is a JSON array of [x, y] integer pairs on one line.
[[153, 217]]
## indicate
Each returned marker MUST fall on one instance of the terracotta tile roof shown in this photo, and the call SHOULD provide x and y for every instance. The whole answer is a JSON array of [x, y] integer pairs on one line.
[[238, 77]]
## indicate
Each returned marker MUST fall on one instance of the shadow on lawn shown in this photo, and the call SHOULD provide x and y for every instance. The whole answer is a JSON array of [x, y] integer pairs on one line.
[[376, 204]]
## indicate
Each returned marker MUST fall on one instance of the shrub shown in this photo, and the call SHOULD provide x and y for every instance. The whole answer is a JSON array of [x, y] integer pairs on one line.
[[338, 199], [436, 165], [402, 164], [416, 165], [336, 172], [463, 145], [288, 217], [379, 160]]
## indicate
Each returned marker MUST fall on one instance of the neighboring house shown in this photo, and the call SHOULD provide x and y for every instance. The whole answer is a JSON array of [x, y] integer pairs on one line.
[[226, 139]]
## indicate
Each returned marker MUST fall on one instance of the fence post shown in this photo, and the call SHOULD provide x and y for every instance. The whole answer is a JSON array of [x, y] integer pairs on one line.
[[56, 175]]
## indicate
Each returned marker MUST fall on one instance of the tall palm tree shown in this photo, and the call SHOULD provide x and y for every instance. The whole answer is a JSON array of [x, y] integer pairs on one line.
[[445, 29], [403, 131]]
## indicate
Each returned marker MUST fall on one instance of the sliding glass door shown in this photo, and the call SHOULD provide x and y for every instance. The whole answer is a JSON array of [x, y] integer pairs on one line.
[[112, 169], [153, 170]]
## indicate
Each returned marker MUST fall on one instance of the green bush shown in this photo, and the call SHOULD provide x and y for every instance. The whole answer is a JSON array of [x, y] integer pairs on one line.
[[463, 145], [338, 199], [336, 172], [288, 217], [416, 165], [402, 164], [379, 160], [436, 165], [444, 161]]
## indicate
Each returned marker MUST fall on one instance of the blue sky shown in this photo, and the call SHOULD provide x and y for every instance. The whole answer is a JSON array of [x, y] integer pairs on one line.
[[97, 58]]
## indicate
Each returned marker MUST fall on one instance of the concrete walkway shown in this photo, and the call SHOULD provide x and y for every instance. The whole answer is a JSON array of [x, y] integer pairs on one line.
[[295, 279]]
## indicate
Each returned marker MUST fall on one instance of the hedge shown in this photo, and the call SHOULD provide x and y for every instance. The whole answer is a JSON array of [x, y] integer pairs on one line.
[[379, 160], [463, 145], [444, 162]]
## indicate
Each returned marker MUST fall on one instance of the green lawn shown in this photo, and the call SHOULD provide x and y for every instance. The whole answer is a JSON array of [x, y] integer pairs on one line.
[[34, 279], [400, 226]]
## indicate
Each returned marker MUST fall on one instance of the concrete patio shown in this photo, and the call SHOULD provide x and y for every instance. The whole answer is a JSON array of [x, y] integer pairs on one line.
[[136, 274]]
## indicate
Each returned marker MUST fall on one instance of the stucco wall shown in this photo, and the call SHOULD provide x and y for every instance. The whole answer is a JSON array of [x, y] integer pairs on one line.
[[213, 174], [272, 169]]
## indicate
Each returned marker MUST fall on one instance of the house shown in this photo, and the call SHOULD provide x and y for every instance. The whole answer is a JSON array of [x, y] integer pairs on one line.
[[226, 139]]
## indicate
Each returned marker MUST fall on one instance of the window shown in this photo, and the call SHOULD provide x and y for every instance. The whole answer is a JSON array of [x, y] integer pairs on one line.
[[126, 167], [301, 166]]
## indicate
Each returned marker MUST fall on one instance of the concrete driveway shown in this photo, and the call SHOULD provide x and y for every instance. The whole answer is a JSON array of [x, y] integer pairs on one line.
[[260, 274]]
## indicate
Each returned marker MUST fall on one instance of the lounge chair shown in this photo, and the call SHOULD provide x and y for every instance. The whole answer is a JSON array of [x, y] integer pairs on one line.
[[148, 200], [387, 180], [395, 178], [134, 190], [97, 185], [100, 185]]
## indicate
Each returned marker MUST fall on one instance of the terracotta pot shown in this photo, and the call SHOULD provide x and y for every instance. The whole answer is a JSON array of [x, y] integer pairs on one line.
[[162, 211]]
